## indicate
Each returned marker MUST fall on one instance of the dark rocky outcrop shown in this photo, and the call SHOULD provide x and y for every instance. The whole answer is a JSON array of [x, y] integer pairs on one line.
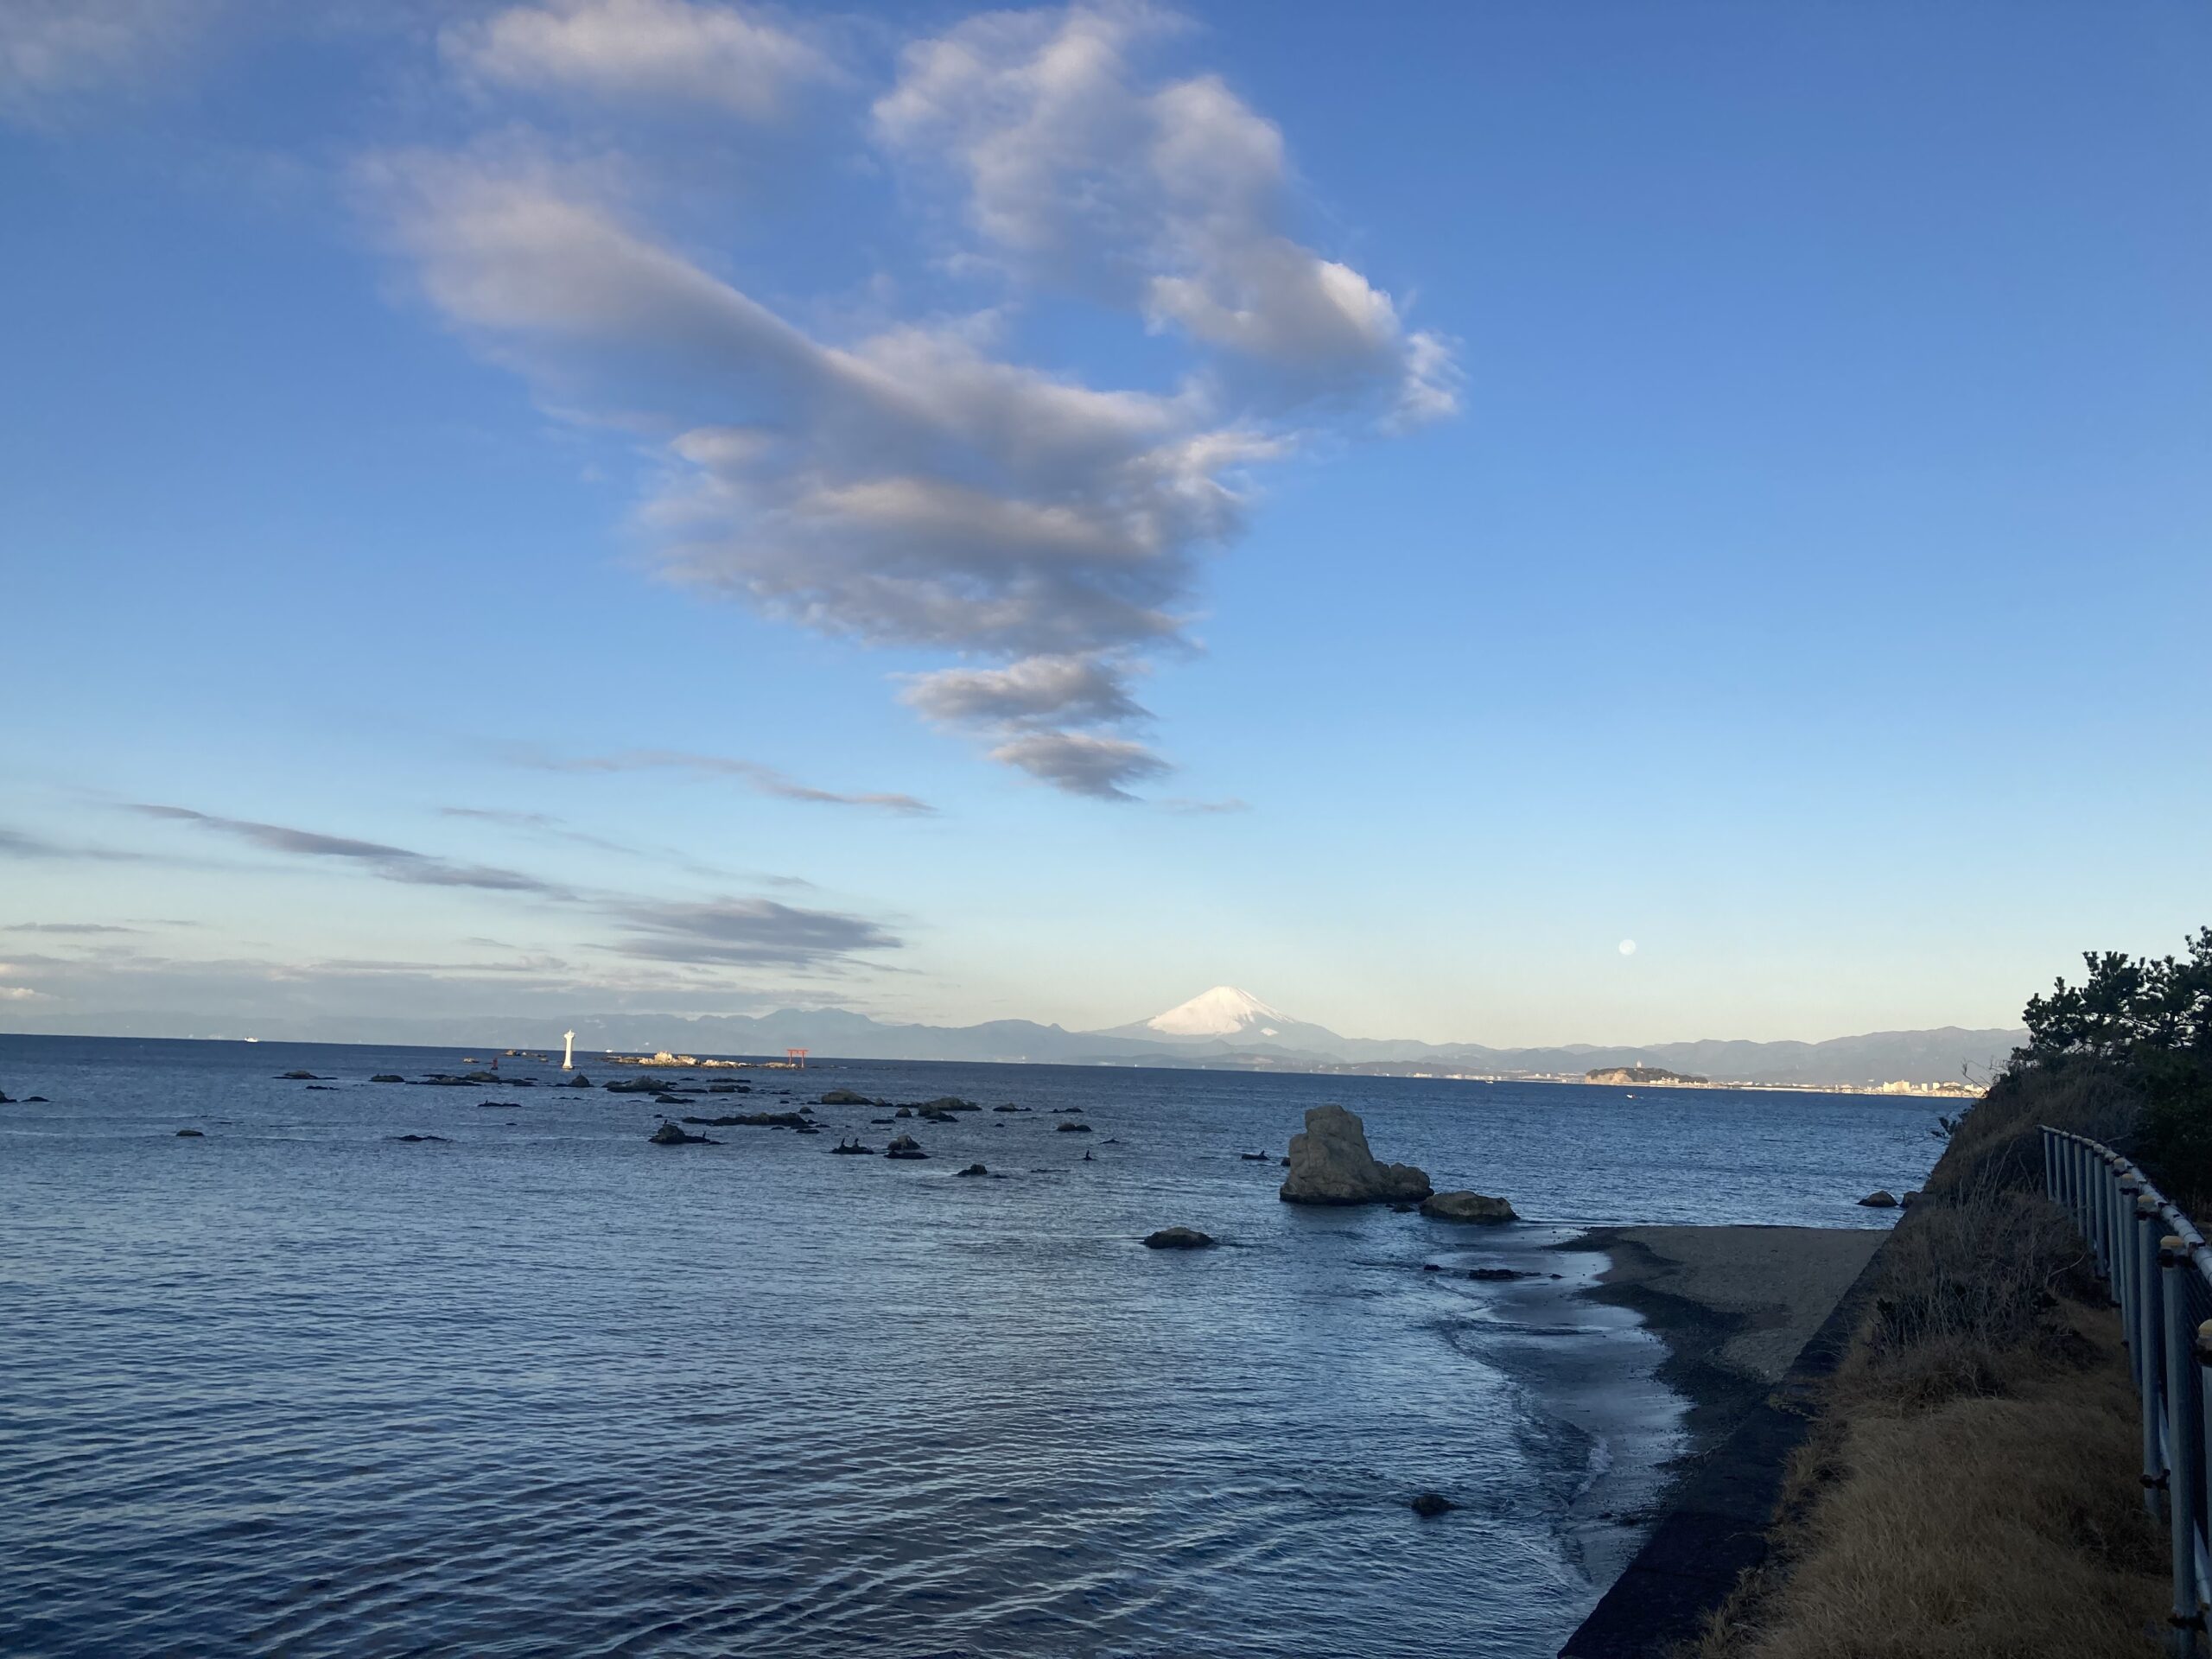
[[1496, 1276], [1878, 1200], [948, 1103], [847, 1098], [498, 1105], [191, 1135], [1257, 1157], [387, 1077], [904, 1146], [671, 1134], [1467, 1206], [300, 1077], [851, 1149], [1009, 1107], [637, 1086], [1072, 1129], [1432, 1503], [1178, 1238], [578, 1081], [973, 1169], [755, 1120], [444, 1139], [1330, 1164]]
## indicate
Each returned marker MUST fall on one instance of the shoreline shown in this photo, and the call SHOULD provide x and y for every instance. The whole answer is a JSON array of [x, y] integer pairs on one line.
[[1733, 1304], [1752, 1319]]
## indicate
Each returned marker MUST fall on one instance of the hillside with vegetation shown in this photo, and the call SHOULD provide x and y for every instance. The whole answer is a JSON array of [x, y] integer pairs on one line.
[[1970, 1487]]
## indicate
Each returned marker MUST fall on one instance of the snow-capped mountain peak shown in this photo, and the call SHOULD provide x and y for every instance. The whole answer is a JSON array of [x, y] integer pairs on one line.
[[1224, 1011]]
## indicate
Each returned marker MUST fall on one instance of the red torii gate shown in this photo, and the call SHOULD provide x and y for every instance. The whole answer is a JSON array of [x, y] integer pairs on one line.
[[796, 1056]]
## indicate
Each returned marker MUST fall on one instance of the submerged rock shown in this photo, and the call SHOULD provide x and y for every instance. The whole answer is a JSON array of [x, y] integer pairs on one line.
[[672, 1134], [191, 1134], [973, 1169], [498, 1105], [300, 1077], [1467, 1206], [637, 1086], [845, 1097], [904, 1146], [1009, 1107], [1497, 1276], [1330, 1164], [1877, 1200], [1257, 1157], [387, 1077], [445, 1139], [756, 1121], [948, 1103], [851, 1149], [1432, 1503], [1072, 1129], [1178, 1238]]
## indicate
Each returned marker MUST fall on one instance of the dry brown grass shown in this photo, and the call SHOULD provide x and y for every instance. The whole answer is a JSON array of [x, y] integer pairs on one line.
[[1981, 1527]]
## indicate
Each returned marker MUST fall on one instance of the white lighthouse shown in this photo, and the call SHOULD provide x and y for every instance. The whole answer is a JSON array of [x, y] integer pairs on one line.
[[568, 1051]]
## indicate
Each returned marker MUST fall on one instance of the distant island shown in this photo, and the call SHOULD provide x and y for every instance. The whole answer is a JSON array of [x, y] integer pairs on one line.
[[1637, 1074]]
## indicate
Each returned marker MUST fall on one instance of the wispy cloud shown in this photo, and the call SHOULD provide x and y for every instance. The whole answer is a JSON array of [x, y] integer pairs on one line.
[[393, 863], [747, 932], [1083, 763], [54, 50], [66, 927], [762, 780], [14, 844], [643, 52]]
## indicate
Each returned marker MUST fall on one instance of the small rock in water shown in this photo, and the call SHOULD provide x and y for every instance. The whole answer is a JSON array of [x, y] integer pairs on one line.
[[387, 1077], [578, 1081], [846, 1098], [975, 1169], [1178, 1238], [1877, 1200], [300, 1077], [191, 1135], [1431, 1504], [499, 1105], [1254, 1157], [1494, 1275], [1073, 1129], [850, 1147], [904, 1146], [446, 1140], [1467, 1206], [1430, 1267], [672, 1134]]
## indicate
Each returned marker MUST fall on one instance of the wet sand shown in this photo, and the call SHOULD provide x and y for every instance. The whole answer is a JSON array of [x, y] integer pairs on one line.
[[1734, 1304]]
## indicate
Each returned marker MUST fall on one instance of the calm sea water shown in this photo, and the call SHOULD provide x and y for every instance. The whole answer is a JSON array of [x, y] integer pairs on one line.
[[299, 1387]]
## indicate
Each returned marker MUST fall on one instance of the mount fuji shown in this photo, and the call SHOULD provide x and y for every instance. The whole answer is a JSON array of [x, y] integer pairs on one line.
[[1237, 1019]]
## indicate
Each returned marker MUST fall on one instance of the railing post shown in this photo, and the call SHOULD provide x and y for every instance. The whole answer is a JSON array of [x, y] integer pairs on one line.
[[2130, 1264], [2184, 1446], [2150, 1333]]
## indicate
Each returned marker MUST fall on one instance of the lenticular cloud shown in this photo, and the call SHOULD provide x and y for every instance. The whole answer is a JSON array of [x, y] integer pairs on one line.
[[912, 485]]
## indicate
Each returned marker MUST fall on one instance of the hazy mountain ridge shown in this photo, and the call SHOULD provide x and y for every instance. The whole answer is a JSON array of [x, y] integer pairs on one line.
[[1267, 1041]]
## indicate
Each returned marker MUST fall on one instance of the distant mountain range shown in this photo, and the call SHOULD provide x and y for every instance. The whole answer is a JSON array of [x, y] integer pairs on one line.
[[1224, 1028]]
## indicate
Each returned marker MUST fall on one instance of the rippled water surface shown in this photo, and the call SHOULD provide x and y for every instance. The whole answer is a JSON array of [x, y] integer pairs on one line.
[[300, 1386]]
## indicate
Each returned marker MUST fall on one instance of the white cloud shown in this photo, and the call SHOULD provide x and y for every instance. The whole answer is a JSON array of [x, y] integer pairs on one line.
[[641, 50], [1171, 200], [909, 483], [54, 50]]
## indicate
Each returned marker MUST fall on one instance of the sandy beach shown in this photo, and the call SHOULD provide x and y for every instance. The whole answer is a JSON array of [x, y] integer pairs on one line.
[[1734, 1304]]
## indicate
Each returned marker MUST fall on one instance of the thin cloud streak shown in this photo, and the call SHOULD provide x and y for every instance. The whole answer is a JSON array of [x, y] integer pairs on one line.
[[762, 780], [393, 863]]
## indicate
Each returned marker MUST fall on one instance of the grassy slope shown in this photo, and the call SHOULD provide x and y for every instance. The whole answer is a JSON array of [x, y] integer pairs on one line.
[[1971, 1487]]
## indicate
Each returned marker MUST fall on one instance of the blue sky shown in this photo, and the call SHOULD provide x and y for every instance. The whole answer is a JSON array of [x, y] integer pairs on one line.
[[636, 504]]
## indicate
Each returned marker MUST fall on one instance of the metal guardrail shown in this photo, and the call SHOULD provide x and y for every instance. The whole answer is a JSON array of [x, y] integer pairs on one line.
[[2160, 1272]]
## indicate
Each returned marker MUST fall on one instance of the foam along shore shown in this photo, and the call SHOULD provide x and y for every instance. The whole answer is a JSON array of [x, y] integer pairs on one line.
[[1733, 1305]]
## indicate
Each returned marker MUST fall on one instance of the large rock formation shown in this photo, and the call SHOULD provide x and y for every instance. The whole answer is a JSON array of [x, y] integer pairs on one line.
[[1330, 1164]]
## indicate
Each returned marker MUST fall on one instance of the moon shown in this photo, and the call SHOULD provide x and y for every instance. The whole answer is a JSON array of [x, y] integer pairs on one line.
[[1628, 947]]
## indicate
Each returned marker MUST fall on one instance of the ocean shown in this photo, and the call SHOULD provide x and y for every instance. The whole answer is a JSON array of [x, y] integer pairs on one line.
[[298, 1386]]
